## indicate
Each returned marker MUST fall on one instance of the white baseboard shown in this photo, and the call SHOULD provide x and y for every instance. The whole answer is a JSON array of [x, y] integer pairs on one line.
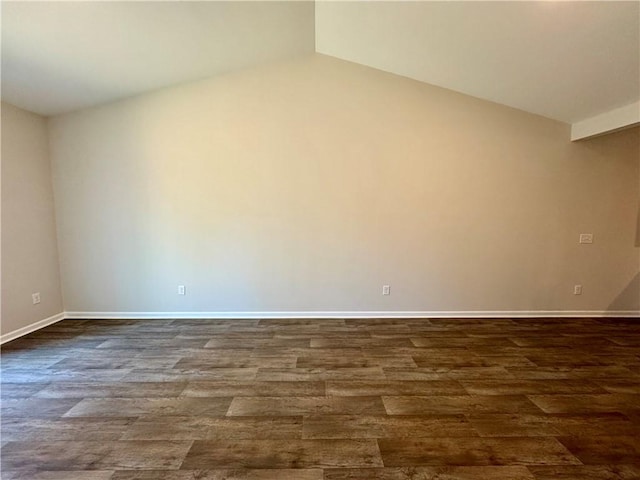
[[32, 328], [361, 314]]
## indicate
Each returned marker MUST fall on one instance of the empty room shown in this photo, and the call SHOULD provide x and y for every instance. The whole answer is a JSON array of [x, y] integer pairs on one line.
[[330, 240]]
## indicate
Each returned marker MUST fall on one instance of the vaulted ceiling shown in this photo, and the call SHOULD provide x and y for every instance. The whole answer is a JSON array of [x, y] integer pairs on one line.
[[63, 56], [562, 60], [569, 61]]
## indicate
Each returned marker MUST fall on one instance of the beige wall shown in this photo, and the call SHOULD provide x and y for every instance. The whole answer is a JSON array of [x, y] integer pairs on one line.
[[308, 185], [29, 247]]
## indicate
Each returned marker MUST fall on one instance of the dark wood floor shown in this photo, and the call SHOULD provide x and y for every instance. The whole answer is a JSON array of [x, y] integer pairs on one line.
[[323, 399]]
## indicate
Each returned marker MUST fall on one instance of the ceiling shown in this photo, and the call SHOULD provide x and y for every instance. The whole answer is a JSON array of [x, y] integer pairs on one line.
[[563, 60], [63, 56]]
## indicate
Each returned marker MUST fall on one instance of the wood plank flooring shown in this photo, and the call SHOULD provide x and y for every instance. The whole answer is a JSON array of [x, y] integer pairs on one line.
[[389, 399]]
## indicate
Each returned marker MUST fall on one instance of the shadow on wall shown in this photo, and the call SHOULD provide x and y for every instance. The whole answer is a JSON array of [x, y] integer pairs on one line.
[[638, 227], [629, 298]]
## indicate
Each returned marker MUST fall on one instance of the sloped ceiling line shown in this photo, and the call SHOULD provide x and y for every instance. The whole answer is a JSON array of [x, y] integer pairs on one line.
[[569, 61]]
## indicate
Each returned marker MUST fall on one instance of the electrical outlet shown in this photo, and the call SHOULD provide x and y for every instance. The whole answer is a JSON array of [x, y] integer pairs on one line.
[[182, 290], [386, 289], [586, 238], [35, 297], [577, 289]]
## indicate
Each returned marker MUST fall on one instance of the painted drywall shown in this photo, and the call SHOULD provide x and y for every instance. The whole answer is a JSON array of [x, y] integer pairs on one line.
[[29, 246], [306, 186]]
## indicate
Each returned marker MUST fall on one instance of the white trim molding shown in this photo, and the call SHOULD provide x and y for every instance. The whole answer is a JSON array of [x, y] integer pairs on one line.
[[358, 314], [607, 122], [32, 328]]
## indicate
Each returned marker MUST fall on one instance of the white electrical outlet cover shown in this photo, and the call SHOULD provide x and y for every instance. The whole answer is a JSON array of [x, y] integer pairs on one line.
[[586, 238]]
